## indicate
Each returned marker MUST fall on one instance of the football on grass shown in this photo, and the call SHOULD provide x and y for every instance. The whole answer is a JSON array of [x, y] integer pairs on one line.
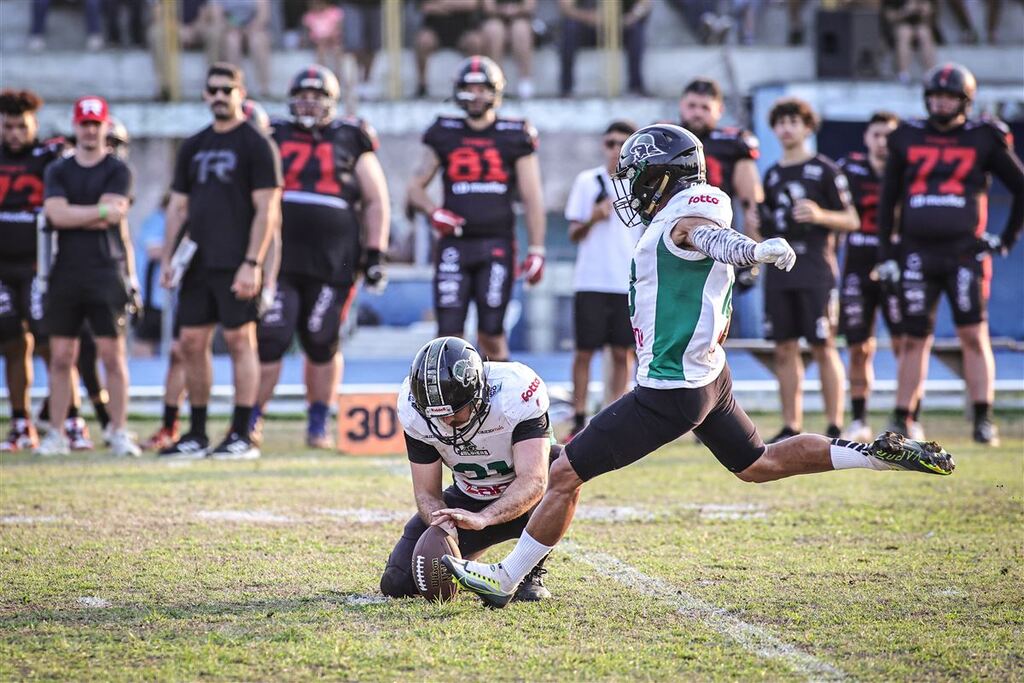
[[432, 578]]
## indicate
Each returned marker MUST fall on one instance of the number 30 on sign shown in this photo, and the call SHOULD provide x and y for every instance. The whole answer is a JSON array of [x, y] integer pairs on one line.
[[368, 424]]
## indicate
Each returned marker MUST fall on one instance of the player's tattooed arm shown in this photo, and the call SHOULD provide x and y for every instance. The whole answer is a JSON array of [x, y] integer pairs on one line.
[[426, 488], [530, 460], [725, 245], [425, 171]]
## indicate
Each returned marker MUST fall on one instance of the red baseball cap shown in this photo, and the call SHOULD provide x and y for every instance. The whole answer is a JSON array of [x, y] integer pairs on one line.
[[91, 108]]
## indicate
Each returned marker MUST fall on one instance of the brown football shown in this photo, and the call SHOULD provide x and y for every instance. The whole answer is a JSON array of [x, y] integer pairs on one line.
[[432, 578]]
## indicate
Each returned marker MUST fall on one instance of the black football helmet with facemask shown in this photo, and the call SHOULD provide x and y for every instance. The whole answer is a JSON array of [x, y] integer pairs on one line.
[[478, 70], [313, 113], [447, 375], [951, 79], [655, 163]]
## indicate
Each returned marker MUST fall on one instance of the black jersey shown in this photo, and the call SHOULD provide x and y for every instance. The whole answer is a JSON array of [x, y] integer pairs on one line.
[[479, 170], [865, 187], [940, 180], [320, 227], [820, 180], [82, 248], [21, 196], [219, 172], [723, 148]]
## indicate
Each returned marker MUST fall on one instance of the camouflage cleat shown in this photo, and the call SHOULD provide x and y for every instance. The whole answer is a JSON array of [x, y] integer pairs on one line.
[[899, 452], [478, 578]]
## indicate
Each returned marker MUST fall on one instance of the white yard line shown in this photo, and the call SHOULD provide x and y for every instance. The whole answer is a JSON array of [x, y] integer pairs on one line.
[[258, 516], [754, 639]]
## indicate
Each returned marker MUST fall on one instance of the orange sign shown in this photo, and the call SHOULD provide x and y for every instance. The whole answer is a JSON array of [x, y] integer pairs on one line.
[[368, 424]]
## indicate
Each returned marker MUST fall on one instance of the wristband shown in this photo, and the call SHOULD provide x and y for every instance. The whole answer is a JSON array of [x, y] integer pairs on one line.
[[102, 208], [536, 251]]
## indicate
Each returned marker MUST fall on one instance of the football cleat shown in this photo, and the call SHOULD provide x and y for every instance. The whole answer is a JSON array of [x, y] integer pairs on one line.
[[985, 432], [478, 578], [319, 440], [188, 447], [54, 443], [783, 434], [858, 431], [22, 437], [235, 447], [78, 434], [901, 453], [122, 444], [532, 588], [256, 427], [162, 438]]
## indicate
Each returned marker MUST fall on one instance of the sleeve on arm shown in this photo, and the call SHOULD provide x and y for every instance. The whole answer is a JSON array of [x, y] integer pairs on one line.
[[887, 199], [750, 146], [181, 182], [1008, 168], [836, 189], [534, 428], [526, 141], [120, 181], [580, 203], [266, 165], [368, 141], [53, 181], [419, 452]]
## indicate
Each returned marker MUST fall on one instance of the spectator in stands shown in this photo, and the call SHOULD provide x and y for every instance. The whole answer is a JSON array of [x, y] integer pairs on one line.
[[995, 13], [579, 29], [446, 23], [40, 8], [199, 24], [112, 13], [601, 281], [248, 21], [361, 32], [910, 23], [323, 22], [511, 22]]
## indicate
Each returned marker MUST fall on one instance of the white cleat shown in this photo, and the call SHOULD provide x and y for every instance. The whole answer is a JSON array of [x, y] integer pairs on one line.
[[123, 445], [859, 431], [53, 444]]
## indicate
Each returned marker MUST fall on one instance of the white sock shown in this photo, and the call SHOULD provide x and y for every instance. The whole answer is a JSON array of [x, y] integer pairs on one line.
[[523, 558], [850, 454]]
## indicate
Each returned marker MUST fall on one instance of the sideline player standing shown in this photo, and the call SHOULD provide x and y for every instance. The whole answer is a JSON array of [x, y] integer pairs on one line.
[[488, 423], [334, 189], [227, 186], [485, 162], [808, 199], [860, 295], [938, 174], [23, 160], [87, 200], [601, 275], [680, 303]]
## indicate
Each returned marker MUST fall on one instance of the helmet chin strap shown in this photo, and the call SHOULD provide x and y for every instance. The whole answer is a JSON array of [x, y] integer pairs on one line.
[[656, 197]]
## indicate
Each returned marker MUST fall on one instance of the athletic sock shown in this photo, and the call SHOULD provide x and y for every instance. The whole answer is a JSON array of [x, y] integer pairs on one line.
[[197, 421], [170, 416], [982, 411], [18, 414], [859, 406], [578, 420], [99, 406], [240, 421], [44, 410], [900, 416], [316, 422], [916, 414], [850, 455], [521, 561], [73, 412]]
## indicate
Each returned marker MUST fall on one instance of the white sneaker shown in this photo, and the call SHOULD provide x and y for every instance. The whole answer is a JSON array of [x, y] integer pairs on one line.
[[53, 443], [859, 431], [915, 431], [122, 444]]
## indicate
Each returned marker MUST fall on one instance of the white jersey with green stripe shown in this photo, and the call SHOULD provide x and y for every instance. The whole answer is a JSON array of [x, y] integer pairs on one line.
[[680, 301]]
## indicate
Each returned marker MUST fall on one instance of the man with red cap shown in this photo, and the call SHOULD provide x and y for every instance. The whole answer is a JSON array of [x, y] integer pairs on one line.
[[86, 204]]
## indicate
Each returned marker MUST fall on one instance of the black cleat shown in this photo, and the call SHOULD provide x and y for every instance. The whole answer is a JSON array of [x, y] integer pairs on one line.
[[235, 447], [901, 453], [986, 433], [532, 588], [188, 447], [783, 434]]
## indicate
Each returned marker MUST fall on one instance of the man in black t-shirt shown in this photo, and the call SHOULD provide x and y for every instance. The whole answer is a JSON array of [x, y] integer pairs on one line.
[[227, 187], [486, 162], [86, 202], [807, 200]]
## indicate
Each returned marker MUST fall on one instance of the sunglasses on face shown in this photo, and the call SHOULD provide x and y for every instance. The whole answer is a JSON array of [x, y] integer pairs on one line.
[[613, 144], [222, 89]]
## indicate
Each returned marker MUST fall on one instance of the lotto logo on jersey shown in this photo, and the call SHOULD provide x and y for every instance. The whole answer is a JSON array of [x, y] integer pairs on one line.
[[530, 390], [706, 198]]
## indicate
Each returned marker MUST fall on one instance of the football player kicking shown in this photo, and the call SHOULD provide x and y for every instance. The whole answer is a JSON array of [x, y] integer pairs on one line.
[[488, 423], [680, 304]]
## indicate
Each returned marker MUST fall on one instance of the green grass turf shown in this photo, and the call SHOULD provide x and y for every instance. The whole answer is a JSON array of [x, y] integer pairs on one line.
[[884, 576]]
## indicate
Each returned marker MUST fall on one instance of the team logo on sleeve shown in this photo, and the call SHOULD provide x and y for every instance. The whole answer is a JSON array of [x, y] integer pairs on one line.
[[644, 147]]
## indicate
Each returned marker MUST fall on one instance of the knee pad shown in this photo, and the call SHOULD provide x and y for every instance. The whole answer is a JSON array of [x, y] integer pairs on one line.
[[396, 583], [272, 341], [320, 347]]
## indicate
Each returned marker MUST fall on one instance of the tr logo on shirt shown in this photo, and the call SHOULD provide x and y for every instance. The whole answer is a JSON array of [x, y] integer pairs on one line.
[[220, 162]]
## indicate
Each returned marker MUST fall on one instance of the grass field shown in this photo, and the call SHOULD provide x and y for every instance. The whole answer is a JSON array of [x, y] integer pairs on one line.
[[675, 570]]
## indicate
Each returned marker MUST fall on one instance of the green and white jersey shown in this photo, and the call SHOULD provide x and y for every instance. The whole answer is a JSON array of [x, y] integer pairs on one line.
[[680, 301]]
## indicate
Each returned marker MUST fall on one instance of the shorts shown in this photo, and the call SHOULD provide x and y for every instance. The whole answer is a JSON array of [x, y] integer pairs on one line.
[[206, 298], [361, 27], [928, 272], [397, 580], [310, 307], [860, 298], [21, 304], [449, 28], [97, 297], [646, 419], [602, 319], [480, 270], [793, 313]]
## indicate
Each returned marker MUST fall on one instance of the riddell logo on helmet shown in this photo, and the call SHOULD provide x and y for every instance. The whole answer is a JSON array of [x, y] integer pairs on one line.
[[703, 198], [530, 390]]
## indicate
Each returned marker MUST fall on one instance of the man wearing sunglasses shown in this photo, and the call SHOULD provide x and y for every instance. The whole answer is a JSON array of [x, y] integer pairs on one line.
[[227, 186], [601, 280]]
